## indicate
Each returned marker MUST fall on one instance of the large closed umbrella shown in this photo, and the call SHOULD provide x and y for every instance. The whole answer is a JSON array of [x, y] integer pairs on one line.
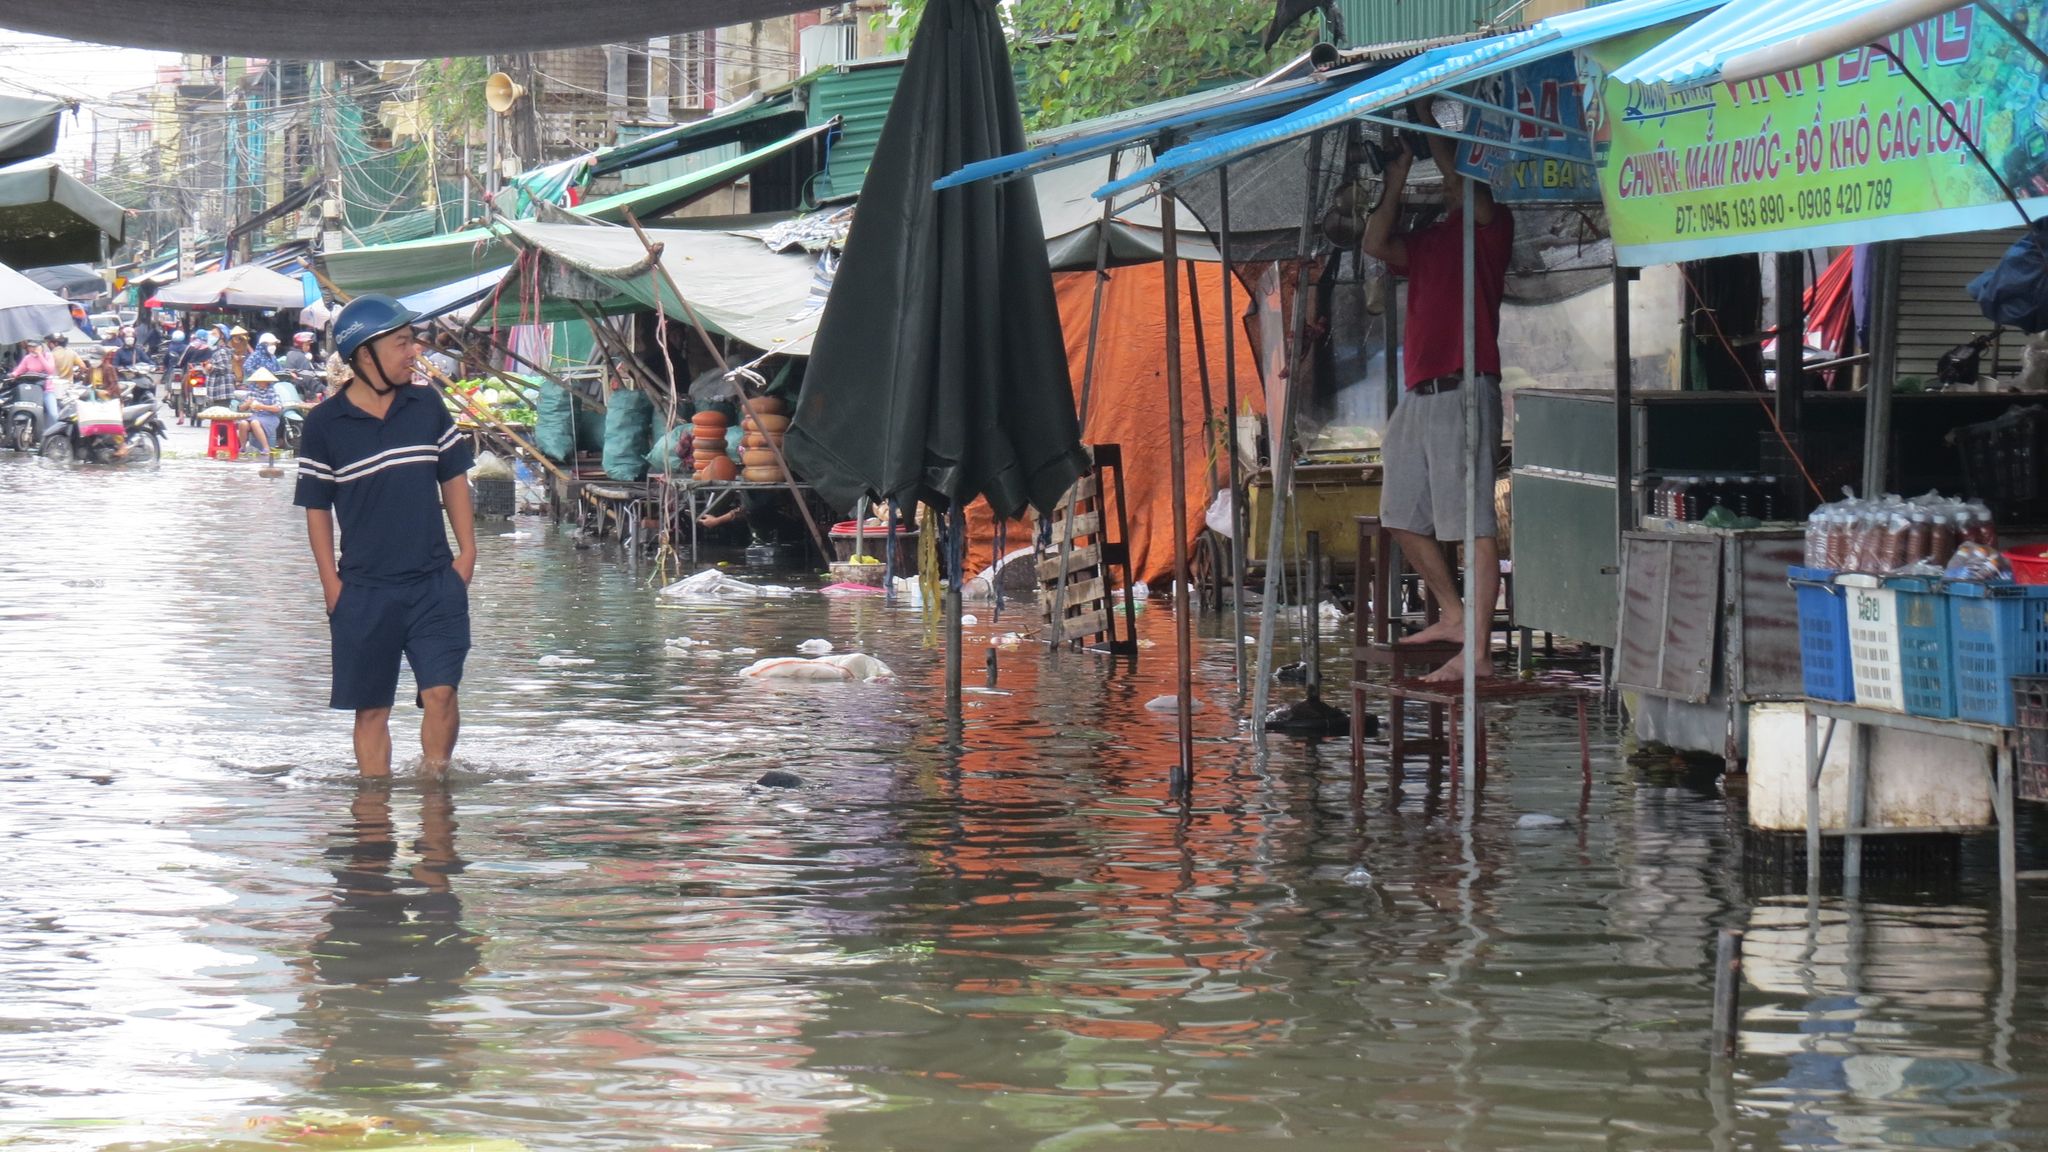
[[939, 372], [29, 311], [243, 286]]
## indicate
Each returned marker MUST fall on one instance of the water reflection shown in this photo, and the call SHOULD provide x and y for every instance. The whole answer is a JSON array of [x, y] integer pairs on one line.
[[1021, 945], [393, 954]]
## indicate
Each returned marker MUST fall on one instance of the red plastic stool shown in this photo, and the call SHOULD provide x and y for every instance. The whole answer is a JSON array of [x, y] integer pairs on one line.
[[224, 438]]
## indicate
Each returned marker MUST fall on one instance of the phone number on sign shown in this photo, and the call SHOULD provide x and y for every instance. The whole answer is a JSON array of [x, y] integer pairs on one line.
[[1775, 209]]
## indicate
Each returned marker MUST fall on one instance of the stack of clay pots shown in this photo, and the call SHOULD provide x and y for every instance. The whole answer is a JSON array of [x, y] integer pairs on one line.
[[760, 448], [710, 459]]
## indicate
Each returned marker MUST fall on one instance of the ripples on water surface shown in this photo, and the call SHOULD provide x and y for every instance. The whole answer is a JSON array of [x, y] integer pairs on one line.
[[601, 936]]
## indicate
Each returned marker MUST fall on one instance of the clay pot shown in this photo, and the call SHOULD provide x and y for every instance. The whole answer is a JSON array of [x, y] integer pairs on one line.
[[764, 422], [760, 458], [762, 475], [710, 423], [767, 406], [720, 468], [760, 440], [704, 446]]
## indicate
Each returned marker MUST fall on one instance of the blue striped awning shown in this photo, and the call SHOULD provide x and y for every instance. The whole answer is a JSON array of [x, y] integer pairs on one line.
[[1432, 72], [1186, 116], [1697, 55]]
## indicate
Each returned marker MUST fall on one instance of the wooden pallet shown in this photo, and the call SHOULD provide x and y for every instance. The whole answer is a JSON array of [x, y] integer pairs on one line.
[[1077, 596]]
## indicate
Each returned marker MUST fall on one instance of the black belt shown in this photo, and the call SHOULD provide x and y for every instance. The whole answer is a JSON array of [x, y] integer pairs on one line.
[[1449, 383]]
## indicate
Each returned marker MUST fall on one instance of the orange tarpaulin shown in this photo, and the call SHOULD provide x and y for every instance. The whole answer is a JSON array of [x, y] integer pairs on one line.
[[1128, 404]]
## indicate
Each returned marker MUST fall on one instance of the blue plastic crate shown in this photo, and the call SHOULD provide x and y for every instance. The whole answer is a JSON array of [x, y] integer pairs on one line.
[[1823, 634], [1927, 676], [1997, 632]]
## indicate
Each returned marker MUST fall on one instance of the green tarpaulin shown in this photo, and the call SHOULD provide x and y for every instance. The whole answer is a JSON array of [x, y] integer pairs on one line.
[[416, 265], [48, 217]]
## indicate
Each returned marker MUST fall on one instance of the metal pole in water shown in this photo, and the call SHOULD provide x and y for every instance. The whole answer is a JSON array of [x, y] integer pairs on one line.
[[1237, 521], [957, 565], [1469, 721], [1727, 990], [1176, 435]]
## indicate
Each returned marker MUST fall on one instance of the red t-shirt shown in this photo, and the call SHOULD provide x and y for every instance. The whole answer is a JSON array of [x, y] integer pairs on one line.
[[1432, 334]]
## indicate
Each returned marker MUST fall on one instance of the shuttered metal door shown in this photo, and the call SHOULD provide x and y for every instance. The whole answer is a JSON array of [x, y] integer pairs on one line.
[[1936, 313]]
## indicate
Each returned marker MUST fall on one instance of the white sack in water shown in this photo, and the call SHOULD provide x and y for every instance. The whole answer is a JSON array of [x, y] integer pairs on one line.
[[814, 647], [711, 584], [844, 667]]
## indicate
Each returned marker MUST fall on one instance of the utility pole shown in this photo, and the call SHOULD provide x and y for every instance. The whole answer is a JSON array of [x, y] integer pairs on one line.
[[330, 157]]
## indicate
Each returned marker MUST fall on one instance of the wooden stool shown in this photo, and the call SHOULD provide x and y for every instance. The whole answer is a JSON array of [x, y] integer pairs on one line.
[[224, 438], [1450, 697]]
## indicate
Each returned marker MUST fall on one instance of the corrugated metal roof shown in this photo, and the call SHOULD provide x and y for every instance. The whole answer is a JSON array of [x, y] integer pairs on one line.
[[1372, 22], [860, 97]]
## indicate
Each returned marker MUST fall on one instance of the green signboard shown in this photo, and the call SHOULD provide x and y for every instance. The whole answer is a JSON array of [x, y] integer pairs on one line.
[[1845, 151]]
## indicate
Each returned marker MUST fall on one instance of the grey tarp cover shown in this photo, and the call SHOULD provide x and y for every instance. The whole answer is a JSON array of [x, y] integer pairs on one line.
[[48, 217], [28, 127], [379, 29], [73, 281], [29, 311], [242, 286], [939, 371]]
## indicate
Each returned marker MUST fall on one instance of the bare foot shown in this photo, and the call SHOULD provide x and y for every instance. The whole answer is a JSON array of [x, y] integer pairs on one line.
[[1454, 669], [1441, 632]]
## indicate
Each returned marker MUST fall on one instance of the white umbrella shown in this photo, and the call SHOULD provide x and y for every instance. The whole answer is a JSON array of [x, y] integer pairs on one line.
[[243, 286], [29, 311]]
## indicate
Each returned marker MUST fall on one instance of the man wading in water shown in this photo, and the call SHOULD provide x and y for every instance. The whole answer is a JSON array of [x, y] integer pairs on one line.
[[384, 456]]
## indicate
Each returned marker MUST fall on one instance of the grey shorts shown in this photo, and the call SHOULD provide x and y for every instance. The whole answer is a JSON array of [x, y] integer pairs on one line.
[[1424, 455]]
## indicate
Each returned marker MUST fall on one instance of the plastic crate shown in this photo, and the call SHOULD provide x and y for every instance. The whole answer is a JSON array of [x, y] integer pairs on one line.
[[1873, 642], [1997, 632], [1823, 634], [2030, 711], [1927, 678]]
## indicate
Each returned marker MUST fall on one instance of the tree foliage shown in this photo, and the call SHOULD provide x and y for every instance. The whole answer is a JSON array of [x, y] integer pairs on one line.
[[1085, 58]]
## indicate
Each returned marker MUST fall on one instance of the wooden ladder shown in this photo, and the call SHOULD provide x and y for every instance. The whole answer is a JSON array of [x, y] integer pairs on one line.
[[1096, 565]]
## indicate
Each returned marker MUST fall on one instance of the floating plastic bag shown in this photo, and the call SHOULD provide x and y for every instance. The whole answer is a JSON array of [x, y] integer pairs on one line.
[[814, 647]]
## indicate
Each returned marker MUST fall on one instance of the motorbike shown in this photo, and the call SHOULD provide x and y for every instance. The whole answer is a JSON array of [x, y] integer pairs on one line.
[[31, 405], [86, 428]]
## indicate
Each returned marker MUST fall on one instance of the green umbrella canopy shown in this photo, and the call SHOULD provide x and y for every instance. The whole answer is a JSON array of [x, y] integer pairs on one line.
[[939, 371], [47, 216]]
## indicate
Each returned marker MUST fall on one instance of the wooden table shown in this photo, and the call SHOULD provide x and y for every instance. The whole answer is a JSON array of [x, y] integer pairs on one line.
[[2002, 742]]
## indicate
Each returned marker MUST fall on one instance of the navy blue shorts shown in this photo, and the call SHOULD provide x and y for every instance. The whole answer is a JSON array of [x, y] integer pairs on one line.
[[425, 621]]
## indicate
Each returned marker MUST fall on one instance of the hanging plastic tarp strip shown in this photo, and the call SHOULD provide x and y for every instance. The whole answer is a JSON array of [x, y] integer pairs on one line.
[[1430, 72]]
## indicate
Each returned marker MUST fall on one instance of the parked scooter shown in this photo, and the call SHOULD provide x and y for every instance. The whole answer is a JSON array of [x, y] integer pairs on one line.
[[90, 430]]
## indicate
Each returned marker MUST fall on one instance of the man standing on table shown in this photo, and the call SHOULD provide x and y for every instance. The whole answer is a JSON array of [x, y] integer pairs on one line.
[[1425, 450], [383, 456]]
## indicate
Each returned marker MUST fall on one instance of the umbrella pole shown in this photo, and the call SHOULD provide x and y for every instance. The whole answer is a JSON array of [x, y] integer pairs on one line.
[[1470, 718], [1058, 632], [1202, 372], [1182, 782], [1237, 541], [1281, 441], [955, 558]]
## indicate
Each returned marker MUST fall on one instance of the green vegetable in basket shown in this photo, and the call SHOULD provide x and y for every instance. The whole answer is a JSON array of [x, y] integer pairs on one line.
[[1721, 516]]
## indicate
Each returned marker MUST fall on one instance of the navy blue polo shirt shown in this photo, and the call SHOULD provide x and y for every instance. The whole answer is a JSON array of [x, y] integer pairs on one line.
[[383, 480]]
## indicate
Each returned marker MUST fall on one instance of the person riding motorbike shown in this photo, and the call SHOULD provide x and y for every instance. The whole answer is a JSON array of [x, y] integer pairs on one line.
[[264, 355], [302, 368], [173, 350], [35, 360], [129, 354], [103, 380], [64, 363], [198, 354]]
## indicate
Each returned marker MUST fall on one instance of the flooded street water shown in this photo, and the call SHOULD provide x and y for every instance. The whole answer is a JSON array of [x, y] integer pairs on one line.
[[601, 935]]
